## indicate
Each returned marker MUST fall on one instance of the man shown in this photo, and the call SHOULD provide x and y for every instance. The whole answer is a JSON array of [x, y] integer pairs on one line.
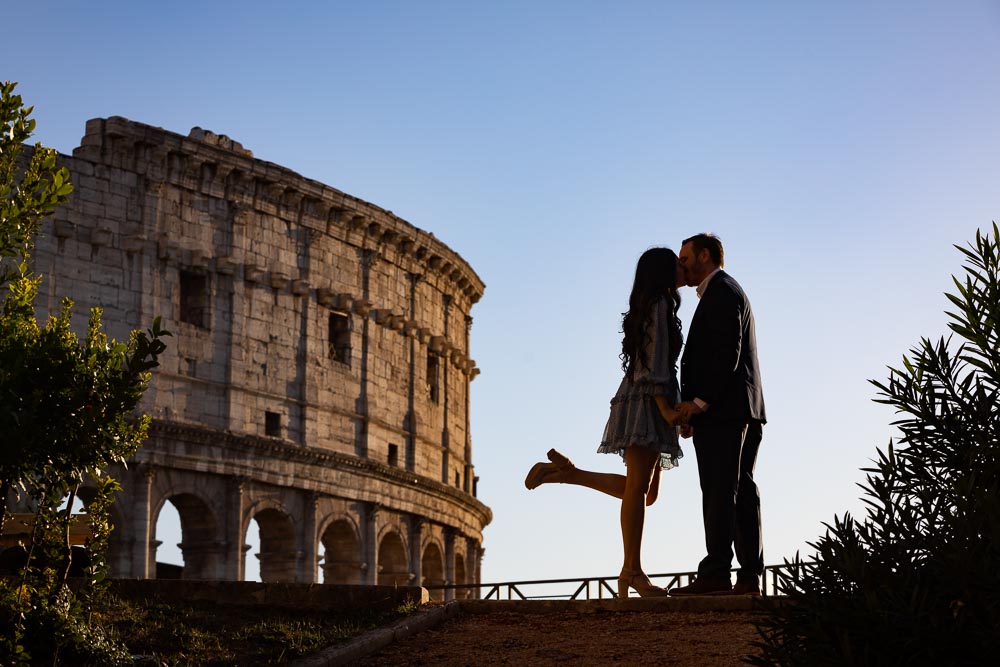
[[723, 400]]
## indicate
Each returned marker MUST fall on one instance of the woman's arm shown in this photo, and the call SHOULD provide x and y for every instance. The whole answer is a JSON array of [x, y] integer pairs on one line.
[[661, 369], [667, 411]]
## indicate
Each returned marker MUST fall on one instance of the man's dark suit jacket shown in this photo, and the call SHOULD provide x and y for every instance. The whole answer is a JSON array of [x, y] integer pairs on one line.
[[719, 364]]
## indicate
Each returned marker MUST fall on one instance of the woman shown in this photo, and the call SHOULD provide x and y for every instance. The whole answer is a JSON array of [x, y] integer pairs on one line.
[[642, 425]]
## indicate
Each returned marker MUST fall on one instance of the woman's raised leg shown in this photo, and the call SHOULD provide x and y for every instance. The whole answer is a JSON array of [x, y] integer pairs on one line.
[[566, 473]]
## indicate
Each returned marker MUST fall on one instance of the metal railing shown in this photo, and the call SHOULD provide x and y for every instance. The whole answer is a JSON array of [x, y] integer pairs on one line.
[[776, 579]]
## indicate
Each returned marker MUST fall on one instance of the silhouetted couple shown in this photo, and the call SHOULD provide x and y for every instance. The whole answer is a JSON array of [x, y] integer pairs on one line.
[[718, 402]]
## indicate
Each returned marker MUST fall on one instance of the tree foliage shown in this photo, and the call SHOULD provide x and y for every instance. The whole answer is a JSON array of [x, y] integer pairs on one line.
[[917, 581], [66, 409]]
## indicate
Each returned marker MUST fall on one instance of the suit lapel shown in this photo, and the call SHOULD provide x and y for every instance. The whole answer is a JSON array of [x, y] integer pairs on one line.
[[700, 311]]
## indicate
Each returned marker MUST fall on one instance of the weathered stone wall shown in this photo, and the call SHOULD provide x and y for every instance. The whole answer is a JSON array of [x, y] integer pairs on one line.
[[319, 371]]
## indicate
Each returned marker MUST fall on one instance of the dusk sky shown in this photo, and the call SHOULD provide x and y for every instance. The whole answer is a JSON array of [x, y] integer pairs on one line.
[[838, 149]]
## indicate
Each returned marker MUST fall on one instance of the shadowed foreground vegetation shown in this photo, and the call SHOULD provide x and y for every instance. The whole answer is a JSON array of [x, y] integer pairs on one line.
[[917, 580], [203, 633]]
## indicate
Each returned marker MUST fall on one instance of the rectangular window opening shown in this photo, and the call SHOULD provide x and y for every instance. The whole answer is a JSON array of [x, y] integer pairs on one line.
[[339, 339], [194, 298], [393, 455], [433, 384], [272, 424]]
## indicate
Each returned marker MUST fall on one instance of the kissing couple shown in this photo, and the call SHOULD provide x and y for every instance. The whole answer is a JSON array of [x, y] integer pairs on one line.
[[718, 402]]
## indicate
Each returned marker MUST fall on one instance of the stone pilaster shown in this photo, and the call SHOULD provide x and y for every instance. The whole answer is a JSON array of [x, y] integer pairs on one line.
[[449, 562], [417, 526], [369, 542], [310, 541], [143, 553], [234, 556]]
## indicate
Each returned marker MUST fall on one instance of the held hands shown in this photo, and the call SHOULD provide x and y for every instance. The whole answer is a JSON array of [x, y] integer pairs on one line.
[[686, 409], [678, 415], [681, 415]]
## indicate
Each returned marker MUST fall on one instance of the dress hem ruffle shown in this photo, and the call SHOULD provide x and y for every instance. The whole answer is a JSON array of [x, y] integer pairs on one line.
[[668, 460]]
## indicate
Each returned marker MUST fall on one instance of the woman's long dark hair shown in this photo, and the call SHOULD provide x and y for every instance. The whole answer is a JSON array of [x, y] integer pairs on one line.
[[655, 276]]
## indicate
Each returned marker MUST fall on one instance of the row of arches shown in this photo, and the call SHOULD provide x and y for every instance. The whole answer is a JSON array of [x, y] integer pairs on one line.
[[300, 535], [413, 553]]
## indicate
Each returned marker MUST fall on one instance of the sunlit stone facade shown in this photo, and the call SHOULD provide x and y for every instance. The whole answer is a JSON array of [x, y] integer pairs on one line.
[[318, 377]]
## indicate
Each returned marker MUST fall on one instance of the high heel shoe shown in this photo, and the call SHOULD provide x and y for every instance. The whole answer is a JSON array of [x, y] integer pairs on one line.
[[638, 582], [538, 473], [561, 461], [542, 473]]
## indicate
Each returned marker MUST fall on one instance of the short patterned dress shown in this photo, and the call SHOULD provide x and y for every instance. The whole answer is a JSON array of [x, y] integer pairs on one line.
[[635, 419]]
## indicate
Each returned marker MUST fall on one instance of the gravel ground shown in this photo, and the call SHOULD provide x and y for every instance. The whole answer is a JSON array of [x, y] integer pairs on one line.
[[579, 638]]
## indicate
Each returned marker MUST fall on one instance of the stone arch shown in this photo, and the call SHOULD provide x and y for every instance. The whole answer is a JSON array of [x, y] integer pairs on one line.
[[432, 568], [199, 538], [278, 554], [87, 493], [393, 569], [117, 544], [342, 558]]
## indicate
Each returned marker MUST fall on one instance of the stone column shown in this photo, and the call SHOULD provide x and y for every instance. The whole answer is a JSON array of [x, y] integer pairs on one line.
[[143, 549], [417, 525], [472, 567], [410, 455], [202, 560], [236, 360], [310, 342], [278, 566], [449, 562], [233, 563], [445, 438], [368, 258], [369, 547], [469, 472], [478, 552], [310, 550]]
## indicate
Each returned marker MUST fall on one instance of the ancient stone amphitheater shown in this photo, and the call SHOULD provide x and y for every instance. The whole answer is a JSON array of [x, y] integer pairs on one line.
[[318, 377]]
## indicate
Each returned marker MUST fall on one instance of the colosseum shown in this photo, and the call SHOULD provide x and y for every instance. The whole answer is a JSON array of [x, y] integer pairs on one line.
[[318, 378]]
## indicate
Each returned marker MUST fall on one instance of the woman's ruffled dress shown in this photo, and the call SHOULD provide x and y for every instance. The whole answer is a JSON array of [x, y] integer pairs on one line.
[[635, 418]]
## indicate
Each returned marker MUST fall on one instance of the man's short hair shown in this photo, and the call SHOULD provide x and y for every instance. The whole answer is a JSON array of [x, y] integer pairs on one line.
[[711, 243]]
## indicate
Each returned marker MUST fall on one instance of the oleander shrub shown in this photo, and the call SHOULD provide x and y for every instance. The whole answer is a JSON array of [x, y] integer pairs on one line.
[[916, 581]]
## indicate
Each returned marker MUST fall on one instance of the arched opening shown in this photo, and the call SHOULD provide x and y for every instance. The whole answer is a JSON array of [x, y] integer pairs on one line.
[[117, 555], [392, 563], [277, 555], [461, 593], [432, 567], [199, 548], [169, 559], [251, 545], [342, 562]]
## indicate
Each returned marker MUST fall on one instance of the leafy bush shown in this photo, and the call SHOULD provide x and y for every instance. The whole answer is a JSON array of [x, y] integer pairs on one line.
[[917, 581], [65, 414]]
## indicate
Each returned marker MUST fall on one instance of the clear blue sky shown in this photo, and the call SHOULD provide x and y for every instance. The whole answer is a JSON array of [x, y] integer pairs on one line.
[[838, 149]]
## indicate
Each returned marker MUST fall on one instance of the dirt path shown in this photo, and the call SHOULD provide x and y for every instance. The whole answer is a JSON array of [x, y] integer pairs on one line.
[[579, 638]]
